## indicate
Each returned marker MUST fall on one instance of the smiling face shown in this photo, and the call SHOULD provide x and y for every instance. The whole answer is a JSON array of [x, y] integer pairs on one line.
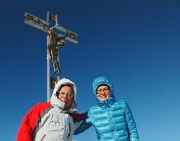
[[65, 94], [103, 92]]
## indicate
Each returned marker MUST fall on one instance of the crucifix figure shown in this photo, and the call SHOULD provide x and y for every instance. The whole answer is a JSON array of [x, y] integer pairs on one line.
[[54, 42]]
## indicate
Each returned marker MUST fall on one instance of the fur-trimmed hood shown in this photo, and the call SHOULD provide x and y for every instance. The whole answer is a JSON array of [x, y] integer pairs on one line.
[[57, 103]]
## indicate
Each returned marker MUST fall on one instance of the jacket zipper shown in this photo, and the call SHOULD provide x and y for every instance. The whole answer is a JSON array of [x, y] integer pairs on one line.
[[69, 130]]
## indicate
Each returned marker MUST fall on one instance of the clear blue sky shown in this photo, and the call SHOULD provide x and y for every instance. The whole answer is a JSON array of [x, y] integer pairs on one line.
[[135, 43]]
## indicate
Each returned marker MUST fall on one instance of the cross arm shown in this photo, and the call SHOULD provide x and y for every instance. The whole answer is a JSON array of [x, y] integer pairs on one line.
[[70, 36], [34, 21]]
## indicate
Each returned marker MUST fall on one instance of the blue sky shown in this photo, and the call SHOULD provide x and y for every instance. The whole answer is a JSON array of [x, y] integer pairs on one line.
[[135, 43]]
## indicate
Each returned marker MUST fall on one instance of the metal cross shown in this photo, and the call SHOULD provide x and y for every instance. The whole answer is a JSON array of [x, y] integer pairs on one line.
[[54, 40]]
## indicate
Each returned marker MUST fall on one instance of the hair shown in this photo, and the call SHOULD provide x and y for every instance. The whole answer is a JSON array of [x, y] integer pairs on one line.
[[69, 85], [102, 85]]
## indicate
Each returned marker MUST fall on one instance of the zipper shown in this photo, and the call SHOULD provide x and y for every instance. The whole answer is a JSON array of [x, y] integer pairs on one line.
[[69, 131]]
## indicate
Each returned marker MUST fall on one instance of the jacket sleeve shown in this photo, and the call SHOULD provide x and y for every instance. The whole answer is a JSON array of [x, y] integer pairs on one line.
[[82, 124], [133, 134], [28, 124]]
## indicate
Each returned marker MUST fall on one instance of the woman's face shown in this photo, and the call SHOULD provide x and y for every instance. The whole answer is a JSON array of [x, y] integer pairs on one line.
[[65, 94], [103, 92]]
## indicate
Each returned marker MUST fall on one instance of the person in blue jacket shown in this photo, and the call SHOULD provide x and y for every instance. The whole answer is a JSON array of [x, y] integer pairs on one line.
[[112, 120]]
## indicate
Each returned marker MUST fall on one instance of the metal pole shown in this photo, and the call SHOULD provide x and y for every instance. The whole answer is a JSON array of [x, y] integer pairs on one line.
[[48, 67], [48, 73], [58, 77]]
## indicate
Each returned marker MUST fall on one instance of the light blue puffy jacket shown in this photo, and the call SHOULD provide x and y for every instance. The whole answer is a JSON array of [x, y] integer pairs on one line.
[[113, 121]]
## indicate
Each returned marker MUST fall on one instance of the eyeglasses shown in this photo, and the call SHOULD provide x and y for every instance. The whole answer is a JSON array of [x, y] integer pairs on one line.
[[69, 95], [99, 91]]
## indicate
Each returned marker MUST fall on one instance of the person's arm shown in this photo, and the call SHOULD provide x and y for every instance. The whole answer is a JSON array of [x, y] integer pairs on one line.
[[29, 122], [133, 134], [81, 123]]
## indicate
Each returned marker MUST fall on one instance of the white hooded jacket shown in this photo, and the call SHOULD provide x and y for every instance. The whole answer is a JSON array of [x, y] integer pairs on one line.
[[49, 121], [57, 124]]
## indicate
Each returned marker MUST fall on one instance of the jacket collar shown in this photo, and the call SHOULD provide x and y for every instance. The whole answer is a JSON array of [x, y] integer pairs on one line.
[[109, 101]]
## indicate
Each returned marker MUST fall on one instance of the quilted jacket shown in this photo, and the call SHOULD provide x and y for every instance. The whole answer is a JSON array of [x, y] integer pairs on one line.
[[112, 120]]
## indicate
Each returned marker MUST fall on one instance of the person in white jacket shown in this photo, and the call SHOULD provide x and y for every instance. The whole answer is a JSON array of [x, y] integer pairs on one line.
[[54, 121]]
